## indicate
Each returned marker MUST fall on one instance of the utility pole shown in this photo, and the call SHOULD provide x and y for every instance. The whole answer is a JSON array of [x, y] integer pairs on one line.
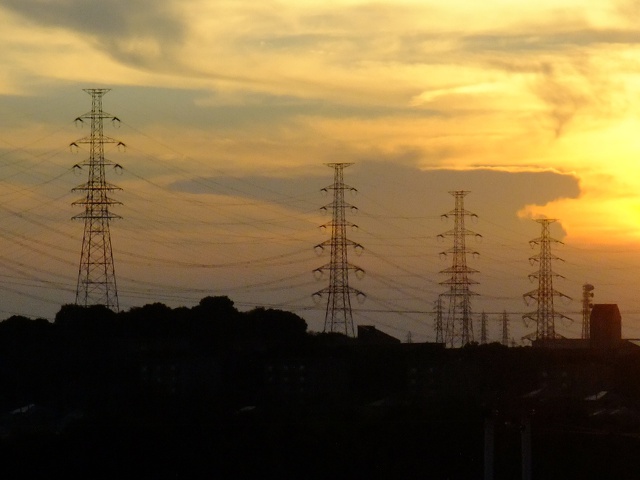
[[338, 316], [545, 315], [96, 276], [505, 329], [587, 295], [483, 329], [459, 327]]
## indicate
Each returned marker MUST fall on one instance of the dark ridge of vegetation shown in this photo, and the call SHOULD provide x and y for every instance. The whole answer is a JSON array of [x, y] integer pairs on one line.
[[211, 391]]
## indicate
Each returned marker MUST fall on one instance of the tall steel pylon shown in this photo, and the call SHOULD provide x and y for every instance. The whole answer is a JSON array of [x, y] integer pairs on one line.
[[459, 326], [545, 315], [96, 275], [338, 316], [587, 295]]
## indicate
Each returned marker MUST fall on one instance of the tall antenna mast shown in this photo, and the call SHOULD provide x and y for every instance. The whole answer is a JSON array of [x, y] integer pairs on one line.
[[338, 316], [96, 275], [587, 295], [459, 327], [545, 315]]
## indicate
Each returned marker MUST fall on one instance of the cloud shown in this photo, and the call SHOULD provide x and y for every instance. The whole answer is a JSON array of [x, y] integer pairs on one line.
[[267, 189], [139, 32], [548, 39], [628, 10], [505, 168]]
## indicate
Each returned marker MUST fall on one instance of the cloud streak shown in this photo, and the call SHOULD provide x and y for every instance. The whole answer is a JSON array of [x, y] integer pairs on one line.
[[139, 32]]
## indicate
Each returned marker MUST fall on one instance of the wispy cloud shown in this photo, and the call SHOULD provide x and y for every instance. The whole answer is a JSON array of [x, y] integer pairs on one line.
[[140, 32]]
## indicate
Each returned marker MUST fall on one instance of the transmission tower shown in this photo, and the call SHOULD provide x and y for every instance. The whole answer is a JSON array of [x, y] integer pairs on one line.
[[505, 329], [338, 316], [545, 315], [587, 295], [96, 275], [459, 327], [483, 328]]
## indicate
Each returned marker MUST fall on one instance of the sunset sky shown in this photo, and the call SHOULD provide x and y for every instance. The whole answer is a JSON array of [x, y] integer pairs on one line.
[[230, 110]]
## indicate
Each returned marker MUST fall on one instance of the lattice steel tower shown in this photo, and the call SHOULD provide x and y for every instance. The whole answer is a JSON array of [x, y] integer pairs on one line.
[[338, 316], [587, 296], [458, 324], [96, 275], [545, 315]]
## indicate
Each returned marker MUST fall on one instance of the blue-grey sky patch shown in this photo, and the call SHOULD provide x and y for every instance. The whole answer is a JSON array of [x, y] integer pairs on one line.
[[412, 188]]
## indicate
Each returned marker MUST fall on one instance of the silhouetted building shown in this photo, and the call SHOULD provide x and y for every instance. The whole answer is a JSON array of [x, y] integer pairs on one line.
[[606, 326]]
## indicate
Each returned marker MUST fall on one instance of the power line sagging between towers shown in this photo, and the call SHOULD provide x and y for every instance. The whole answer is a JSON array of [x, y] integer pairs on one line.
[[396, 285]]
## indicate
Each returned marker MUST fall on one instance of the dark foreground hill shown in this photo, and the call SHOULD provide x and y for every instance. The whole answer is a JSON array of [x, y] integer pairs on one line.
[[211, 392]]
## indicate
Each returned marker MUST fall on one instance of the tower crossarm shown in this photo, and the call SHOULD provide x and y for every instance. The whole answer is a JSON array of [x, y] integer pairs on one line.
[[347, 266], [540, 240], [546, 256], [345, 224], [458, 251], [536, 276], [463, 232], [88, 139], [345, 289], [335, 242]]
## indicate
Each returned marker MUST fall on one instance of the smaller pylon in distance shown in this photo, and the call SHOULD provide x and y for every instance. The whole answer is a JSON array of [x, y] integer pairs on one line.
[[545, 315]]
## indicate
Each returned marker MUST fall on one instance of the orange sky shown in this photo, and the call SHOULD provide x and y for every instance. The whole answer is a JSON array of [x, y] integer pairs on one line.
[[231, 108]]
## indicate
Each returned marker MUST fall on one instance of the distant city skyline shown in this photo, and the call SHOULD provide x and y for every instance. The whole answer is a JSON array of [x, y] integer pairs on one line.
[[229, 112]]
